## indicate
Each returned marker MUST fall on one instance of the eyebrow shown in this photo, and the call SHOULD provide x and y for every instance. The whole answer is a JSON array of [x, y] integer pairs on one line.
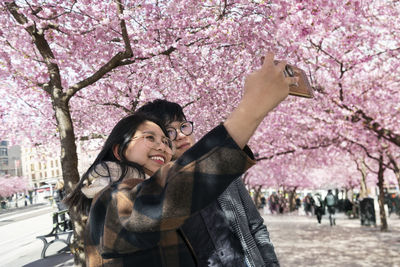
[[150, 132], [153, 133]]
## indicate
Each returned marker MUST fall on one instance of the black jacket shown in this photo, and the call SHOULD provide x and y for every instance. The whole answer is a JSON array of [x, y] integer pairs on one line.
[[230, 232]]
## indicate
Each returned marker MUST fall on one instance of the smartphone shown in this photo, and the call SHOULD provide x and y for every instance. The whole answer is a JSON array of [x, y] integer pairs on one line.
[[303, 87]]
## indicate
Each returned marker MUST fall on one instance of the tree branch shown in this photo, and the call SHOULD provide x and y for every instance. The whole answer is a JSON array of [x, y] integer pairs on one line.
[[113, 63], [291, 151], [369, 155], [44, 49]]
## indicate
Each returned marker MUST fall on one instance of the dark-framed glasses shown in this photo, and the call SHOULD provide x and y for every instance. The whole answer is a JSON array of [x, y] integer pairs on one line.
[[185, 127], [153, 141]]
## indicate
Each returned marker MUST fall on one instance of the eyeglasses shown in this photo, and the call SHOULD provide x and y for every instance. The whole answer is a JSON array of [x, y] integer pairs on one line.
[[153, 141], [186, 128]]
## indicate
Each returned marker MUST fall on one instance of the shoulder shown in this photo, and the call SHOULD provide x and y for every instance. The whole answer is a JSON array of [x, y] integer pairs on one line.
[[104, 174], [104, 169]]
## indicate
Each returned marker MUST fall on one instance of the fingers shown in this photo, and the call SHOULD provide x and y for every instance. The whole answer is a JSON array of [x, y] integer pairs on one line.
[[268, 61], [293, 81], [269, 58], [277, 66], [281, 65]]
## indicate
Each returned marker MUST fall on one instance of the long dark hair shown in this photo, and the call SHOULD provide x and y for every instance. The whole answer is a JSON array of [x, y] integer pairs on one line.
[[120, 135]]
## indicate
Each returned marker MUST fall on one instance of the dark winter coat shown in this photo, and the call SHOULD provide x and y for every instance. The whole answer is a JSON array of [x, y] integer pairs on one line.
[[139, 222], [230, 232]]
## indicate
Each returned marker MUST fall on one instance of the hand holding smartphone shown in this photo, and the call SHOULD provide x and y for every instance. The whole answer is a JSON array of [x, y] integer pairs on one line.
[[303, 87]]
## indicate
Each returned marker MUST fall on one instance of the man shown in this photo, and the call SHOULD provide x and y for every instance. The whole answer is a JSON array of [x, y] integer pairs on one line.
[[330, 202], [319, 207], [229, 232]]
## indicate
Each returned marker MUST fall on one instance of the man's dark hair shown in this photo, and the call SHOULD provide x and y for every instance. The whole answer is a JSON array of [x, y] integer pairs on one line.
[[164, 110]]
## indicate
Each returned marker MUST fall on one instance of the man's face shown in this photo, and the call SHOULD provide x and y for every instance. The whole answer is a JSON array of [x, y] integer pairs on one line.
[[182, 141]]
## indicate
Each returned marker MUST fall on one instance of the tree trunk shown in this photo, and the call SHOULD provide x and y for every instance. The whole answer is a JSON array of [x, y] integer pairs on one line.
[[381, 197], [396, 168], [292, 199], [363, 183], [257, 191], [69, 165]]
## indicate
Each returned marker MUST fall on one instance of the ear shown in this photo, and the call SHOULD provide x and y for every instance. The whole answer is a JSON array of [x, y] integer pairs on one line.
[[115, 152]]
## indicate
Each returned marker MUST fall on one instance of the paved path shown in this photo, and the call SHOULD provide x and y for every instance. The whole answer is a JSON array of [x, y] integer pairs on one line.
[[300, 241]]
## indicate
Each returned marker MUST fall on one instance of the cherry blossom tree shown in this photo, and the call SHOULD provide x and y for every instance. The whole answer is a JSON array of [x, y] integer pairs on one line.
[[10, 185], [353, 56], [72, 69]]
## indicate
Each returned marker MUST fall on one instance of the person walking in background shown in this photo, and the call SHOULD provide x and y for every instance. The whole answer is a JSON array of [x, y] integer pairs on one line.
[[298, 204], [330, 202], [263, 202], [308, 204], [273, 203], [319, 208], [282, 203], [59, 195]]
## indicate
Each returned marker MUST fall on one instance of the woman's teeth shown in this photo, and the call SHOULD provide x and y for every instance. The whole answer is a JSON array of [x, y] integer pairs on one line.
[[158, 158]]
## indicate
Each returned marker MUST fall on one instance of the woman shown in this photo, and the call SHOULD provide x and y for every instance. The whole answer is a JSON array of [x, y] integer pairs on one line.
[[137, 210]]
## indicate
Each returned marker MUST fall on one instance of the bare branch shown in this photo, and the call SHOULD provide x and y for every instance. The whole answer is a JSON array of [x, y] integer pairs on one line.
[[291, 151], [369, 155], [127, 110]]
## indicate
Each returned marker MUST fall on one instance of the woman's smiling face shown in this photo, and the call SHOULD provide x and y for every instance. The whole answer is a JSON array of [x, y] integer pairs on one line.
[[149, 147]]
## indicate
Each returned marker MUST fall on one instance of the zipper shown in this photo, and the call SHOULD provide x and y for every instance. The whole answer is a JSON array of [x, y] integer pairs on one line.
[[185, 239]]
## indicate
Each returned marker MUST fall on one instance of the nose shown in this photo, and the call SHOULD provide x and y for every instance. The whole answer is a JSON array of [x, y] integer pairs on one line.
[[159, 145], [179, 135]]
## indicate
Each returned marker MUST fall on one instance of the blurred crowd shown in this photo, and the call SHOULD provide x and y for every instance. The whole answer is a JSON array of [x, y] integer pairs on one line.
[[279, 203]]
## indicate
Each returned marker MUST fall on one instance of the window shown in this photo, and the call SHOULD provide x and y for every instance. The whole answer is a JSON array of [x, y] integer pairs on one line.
[[58, 172], [32, 167], [33, 176], [52, 173], [4, 143], [51, 164], [40, 166], [3, 151]]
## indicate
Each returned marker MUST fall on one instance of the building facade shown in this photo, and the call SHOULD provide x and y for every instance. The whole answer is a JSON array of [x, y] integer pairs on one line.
[[40, 167], [10, 159], [35, 163]]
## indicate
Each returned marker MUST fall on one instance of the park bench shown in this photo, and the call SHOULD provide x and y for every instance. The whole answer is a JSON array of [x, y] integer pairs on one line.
[[62, 232]]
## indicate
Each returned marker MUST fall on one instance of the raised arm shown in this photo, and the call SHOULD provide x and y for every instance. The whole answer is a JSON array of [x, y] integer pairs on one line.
[[135, 215], [264, 89]]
